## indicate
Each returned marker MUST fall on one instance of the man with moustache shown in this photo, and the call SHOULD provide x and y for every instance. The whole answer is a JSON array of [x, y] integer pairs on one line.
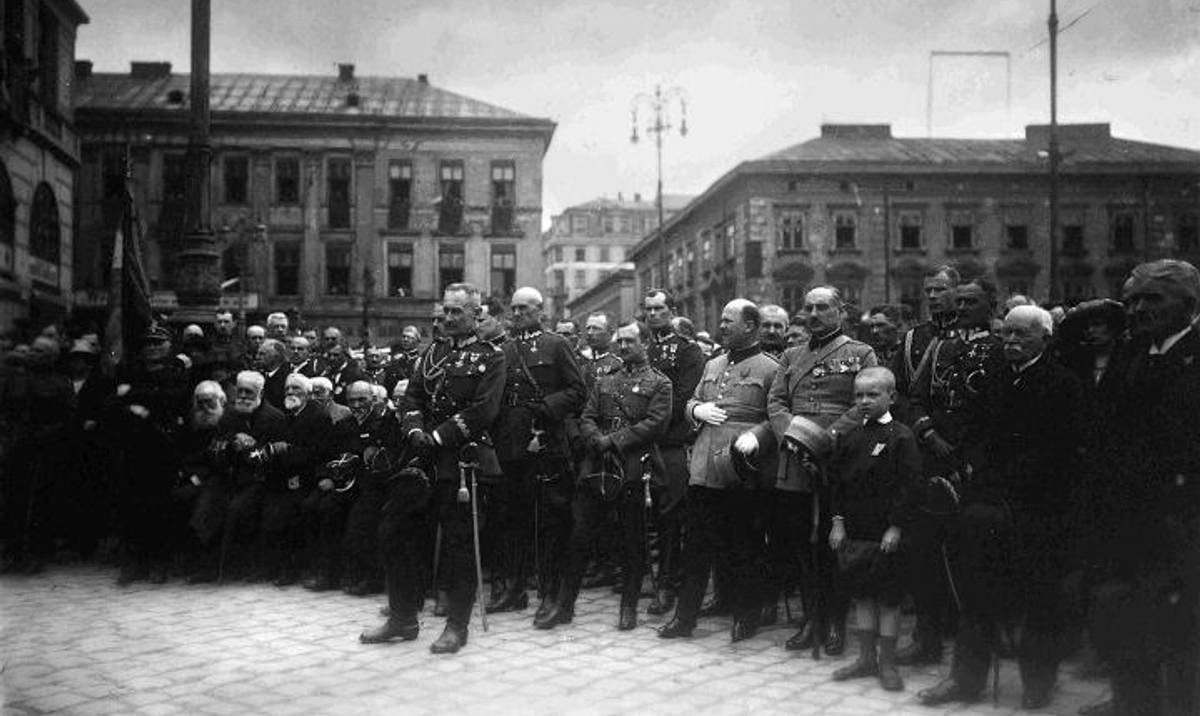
[[772, 336], [627, 410], [725, 504], [444, 411], [322, 397], [683, 363], [816, 381], [341, 371], [1014, 533], [245, 432], [886, 326], [293, 465], [543, 388], [277, 326], [302, 359], [255, 335], [405, 354], [271, 361]]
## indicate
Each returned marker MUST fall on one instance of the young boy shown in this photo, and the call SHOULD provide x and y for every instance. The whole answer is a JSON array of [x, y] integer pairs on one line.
[[875, 470]]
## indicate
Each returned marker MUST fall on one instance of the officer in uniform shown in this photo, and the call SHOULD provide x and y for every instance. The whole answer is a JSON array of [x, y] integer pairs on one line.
[[542, 389], [404, 358], [447, 408], [816, 380], [725, 505], [682, 361], [626, 413]]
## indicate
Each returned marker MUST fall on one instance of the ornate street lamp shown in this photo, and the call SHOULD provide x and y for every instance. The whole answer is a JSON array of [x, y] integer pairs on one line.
[[659, 105]]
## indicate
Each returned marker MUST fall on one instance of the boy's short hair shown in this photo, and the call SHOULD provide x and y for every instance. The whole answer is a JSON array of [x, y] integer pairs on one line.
[[878, 372]]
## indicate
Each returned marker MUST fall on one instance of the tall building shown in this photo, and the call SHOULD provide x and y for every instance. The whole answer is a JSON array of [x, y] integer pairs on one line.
[[589, 241], [39, 154], [871, 213], [338, 197]]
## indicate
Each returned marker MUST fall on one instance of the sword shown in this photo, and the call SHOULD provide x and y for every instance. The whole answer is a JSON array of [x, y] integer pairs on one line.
[[467, 464], [648, 501]]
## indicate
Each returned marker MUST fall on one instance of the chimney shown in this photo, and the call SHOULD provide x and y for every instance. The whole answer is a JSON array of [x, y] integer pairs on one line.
[[423, 79], [83, 69], [856, 131], [637, 197], [620, 197], [345, 72], [149, 70]]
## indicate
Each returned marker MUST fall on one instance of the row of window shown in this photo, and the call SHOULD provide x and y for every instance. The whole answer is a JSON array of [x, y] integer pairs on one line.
[[792, 227], [45, 232], [286, 267], [604, 254], [579, 280], [339, 190], [581, 223]]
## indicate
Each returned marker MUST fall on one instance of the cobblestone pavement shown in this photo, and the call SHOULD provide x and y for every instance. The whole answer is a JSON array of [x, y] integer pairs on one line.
[[74, 643]]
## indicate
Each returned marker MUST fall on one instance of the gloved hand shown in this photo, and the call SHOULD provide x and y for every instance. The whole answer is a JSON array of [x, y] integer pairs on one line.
[[325, 484], [243, 442], [709, 413], [746, 443]]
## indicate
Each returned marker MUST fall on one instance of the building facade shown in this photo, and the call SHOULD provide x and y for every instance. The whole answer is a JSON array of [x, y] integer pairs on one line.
[[39, 155], [588, 242], [871, 213], [615, 294], [351, 201]]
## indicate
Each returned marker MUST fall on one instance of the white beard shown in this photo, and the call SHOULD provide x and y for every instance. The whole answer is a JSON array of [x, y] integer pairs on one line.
[[203, 418], [246, 407], [293, 403]]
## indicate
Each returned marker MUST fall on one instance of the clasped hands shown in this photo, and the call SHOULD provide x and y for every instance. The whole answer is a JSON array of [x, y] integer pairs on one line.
[[888, 544]]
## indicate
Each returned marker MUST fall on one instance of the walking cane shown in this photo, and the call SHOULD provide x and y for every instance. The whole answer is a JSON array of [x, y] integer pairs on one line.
[[817, 620], [468, 464]]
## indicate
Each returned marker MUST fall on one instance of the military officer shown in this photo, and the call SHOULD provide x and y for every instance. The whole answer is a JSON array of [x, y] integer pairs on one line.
[[627, 411], [773, 336], [816, 380], [449, 405], [725, 505], [597, 333], [542, 389], [682, 361], [404, 358]]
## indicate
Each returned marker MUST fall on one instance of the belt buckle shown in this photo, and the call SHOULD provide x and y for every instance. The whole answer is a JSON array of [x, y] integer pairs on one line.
[[616, 423]]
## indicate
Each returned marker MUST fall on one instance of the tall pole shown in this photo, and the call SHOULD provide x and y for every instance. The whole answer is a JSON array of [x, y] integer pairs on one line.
[[660, 104], [197, 280], [887, 245], [1054, 155]]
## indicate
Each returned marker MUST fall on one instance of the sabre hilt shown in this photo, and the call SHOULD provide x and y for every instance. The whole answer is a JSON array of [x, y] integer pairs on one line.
[[646, 481], [466, 463]]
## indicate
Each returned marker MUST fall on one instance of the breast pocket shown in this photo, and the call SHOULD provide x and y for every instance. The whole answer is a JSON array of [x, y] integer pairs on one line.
[[750, 390]]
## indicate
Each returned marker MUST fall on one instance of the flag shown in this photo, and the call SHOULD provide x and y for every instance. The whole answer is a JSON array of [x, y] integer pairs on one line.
[[129, 312]]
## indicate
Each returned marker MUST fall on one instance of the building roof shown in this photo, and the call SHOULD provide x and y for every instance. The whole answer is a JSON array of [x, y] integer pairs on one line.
[[395, 97], [865, 145], [671, 202]]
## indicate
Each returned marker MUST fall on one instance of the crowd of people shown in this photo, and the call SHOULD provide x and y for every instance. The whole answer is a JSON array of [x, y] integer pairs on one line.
[[1024, 479]]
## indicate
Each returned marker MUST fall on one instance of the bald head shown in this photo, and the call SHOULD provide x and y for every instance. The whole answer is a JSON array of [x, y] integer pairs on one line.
[[526, 309], [739, 324]]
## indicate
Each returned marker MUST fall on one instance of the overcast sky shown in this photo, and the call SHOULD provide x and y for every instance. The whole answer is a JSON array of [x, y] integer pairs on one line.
[[760, 75]]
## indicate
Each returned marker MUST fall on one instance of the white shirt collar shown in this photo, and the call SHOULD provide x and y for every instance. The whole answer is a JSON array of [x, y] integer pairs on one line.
[[883, 419], [1164, 347], [1029, 363]]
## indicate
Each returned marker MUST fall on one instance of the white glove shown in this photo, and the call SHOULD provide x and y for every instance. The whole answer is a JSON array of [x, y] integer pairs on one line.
[[140, 411], [746, 443], [709, 413]]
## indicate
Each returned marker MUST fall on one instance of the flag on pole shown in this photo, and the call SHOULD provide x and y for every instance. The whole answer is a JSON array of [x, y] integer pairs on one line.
[[129, 311]]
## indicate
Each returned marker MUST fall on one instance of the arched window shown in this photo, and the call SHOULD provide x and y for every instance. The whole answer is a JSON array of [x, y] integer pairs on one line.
[[45, 234], [8, 222]]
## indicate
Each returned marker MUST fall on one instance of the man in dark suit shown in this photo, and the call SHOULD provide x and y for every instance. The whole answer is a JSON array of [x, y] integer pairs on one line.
[[1013, 529], [271, 361], [1147, 611]]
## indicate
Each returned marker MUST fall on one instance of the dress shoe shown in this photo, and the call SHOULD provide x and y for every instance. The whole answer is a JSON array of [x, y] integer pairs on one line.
[[944, 692], [835, 640], [391, 629], [554, 615], [676, 628], [510, 601], [920, 653], [715, 608], [602, 578], [628, 619], [544, 607], [663, 602], [804, 639], [441, 606], [742, 630], [1036, 698], [864, 666], [451, 640], [321, 584]]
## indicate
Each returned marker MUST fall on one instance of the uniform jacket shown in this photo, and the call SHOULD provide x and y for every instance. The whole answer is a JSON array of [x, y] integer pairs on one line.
[[455, 395], [683, 363], [543, 387], [818, 383], [633, 408], [738, 383]]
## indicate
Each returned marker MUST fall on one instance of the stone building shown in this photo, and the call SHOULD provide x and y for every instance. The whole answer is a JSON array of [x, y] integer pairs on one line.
[[614, 294], [39, 153], [328, 191], [588, 242], [870, 213]]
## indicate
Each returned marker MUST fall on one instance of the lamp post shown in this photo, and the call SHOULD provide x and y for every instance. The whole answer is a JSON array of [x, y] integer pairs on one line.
[[659, 104], [1052, 148], [368, 282]]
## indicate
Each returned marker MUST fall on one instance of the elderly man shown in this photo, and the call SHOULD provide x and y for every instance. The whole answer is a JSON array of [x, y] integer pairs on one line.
[[1148, 609], [301, 357], [201, 494], [271, 361], [322, 396], [1014, 535], [249, 433], [725, 502], [816, 381], [682, 361], [446, 409], [543, 388], [277, 326], [773, 336], [255, 335], [291, 479], [627, 410]]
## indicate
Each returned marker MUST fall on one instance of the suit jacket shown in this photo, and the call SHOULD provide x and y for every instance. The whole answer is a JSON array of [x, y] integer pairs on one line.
[[818, 384], [740, 388]]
